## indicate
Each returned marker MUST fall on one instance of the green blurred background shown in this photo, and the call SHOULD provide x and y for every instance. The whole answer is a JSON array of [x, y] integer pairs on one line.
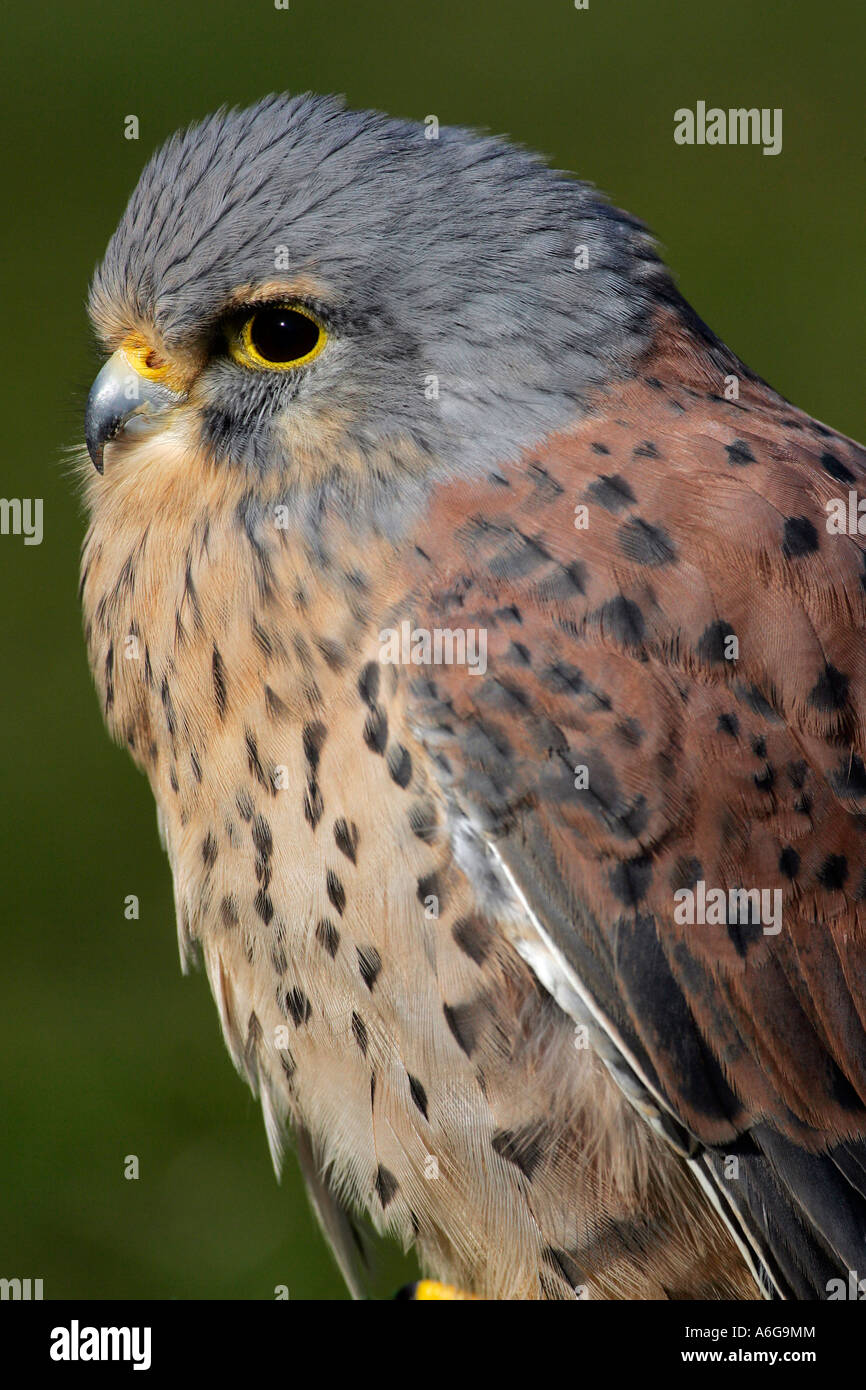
[[106, 1049]]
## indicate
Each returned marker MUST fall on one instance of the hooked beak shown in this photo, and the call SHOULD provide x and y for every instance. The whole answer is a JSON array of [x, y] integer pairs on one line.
[[118, 393]]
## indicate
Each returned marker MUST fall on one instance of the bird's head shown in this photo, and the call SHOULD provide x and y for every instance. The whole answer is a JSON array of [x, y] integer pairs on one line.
[[334, 299]]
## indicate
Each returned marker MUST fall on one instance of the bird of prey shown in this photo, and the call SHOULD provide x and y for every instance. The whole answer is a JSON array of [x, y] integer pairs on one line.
[[492, 642]]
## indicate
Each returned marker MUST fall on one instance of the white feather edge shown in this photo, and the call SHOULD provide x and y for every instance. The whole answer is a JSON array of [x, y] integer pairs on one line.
[[553, 971]]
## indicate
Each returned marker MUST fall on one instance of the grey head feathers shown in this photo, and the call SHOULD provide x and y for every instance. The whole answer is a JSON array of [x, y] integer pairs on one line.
[[460, 327]]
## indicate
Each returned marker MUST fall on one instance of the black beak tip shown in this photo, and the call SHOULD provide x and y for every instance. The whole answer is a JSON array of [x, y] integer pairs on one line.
[[96, 434], [95, 441]]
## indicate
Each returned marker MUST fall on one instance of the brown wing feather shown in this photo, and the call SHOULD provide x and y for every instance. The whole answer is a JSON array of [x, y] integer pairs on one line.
[[607, 650]]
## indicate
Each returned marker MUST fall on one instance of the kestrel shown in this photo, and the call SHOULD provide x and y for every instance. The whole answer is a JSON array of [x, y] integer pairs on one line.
[[493, 642]]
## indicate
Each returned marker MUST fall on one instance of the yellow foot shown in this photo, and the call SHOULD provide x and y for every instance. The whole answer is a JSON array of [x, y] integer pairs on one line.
[[431, 1290]]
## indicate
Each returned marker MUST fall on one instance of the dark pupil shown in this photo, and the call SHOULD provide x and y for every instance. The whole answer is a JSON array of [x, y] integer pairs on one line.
[[283, 335]]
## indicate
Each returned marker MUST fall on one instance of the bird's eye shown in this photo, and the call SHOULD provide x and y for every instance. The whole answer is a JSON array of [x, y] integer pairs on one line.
[[278, 335]]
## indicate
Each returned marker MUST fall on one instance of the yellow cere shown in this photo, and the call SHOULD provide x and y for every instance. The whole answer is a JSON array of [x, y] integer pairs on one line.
[[147, 362]]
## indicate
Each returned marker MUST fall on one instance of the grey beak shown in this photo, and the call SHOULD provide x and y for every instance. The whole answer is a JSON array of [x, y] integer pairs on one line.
[[116, 395]]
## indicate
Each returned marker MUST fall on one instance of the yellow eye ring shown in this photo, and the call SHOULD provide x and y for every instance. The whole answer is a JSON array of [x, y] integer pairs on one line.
[[278, 337]]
